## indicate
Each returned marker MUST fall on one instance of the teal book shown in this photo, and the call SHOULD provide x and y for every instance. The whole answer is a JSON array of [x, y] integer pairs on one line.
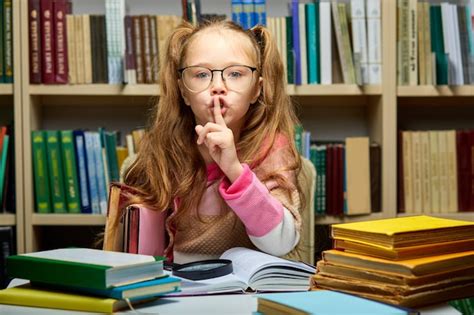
[[3, 164], [290, 55], [70, 172], [40, 172], [135, 291], [437, 45], [324, 302], [84, 267], [311, 41]]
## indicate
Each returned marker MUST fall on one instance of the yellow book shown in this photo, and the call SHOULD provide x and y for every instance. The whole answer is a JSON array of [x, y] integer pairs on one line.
[[404, 231], [410, 267], [26, 295]]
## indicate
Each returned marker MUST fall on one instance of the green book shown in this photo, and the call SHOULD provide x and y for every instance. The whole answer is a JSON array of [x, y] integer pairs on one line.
[[70, 172], [111, 150], [40, 172], [84, 267], [290, 56], [437, 45], [299, 138], [55, 165]]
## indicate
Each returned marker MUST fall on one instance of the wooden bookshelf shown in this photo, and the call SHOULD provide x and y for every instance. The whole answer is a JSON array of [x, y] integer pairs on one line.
[[374, 107], [7, 219]]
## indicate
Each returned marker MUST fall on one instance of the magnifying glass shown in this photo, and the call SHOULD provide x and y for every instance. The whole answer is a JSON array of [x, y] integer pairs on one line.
[[201, 270]]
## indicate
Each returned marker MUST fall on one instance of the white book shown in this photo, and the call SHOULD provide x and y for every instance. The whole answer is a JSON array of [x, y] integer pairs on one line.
[[413, 43], [253, 270], [434, 175], [407, 171], [457, 45], [417, 182], [303, 45], [425, 171], [359, 36], [443, 166], [374, 41], [325, 37], [449, 45]]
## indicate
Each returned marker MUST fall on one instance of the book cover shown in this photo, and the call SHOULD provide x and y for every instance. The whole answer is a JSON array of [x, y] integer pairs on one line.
[[82, 173], [34, 40], [26, 295], [84, 267], [324, 302], [55, 166], [70, 172], [60, 38], [40, 172], [47, 41]]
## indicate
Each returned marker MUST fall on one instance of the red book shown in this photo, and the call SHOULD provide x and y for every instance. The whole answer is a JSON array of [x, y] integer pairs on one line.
[[134, 223], [34, 40], [464, 169], [60, 36], [47, 42]]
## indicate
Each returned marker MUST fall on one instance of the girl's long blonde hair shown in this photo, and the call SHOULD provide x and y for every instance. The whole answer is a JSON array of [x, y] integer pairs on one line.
[[169, 165]]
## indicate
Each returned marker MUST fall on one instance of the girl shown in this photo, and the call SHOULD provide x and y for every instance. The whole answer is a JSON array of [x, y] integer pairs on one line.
[[220, 154]]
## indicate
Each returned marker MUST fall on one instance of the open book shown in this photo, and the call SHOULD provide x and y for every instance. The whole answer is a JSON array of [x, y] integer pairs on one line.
[[253, 271]]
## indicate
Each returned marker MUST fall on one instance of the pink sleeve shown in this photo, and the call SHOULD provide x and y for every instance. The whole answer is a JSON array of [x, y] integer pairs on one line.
[[151, 232], [252, 202]]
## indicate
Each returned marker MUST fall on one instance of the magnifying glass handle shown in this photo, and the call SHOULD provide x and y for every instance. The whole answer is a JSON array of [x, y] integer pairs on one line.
[[170, 266]]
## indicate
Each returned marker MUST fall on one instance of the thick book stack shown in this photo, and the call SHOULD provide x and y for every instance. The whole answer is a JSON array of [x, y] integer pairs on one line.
[[86, 280], [410, 261]]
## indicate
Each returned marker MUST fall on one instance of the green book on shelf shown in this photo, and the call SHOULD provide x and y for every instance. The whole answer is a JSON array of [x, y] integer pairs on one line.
[[55, 166], [70, 172], [40, 172], [290, 56], [84, 267], [3, 164]]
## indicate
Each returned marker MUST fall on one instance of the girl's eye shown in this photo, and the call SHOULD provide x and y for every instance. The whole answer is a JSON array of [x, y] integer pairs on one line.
[[234, 75], [201, 75]]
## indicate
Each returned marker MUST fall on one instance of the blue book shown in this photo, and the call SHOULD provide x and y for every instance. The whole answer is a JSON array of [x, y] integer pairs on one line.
[[91, 172], [324, 302], [82, 174], [134, 292], [247, 13], [236, 7], [260, 12], [296, 41]]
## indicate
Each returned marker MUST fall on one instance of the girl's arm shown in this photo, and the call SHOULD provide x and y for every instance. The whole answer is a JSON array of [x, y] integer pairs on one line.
[[271, 219]]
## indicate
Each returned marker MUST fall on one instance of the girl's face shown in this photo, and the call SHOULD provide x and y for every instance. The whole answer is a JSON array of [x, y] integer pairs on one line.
[[216, 50]]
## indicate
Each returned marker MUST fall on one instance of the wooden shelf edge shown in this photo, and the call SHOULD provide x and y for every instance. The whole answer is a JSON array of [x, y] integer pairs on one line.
[[6, 89], [345, 219], [95, 89], [465, 216], [435, 90], [333, 90], [68, 219], [7, 219]]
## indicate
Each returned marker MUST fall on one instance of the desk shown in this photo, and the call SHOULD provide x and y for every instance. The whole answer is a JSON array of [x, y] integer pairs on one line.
[[217, 304]]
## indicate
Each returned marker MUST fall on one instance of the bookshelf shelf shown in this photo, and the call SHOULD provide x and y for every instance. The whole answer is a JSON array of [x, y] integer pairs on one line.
[[334, 90], [68, 219], [325, 220], [7, 219], [6, 89], [95, 90], [434, 91]]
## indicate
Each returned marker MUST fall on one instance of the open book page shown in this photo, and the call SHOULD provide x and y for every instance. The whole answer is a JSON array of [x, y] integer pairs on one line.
[[266, 272]]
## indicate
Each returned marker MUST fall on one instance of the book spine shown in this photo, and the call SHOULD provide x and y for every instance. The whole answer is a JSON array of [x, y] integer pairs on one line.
[[47, 40], [236, 7], [138, 51], [130, 67], [154, 50], [91, 172], [70, 172], [40, 172], [374, 41], [100, 170], [60, 36], [325, 35], [260, 12], [290, 56], [56, 178], [359, 37], [71, 49], [3, 164], [2, 44], [146, 49], [296, 42], [86, 41], [8, 42], [79, 142]]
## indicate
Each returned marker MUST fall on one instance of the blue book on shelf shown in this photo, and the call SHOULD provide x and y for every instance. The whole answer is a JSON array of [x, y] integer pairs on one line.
[[296, 41], [260, 12], [236, 7], [247, 14], [324, 302], [91, 171], [135, 291], [80, 146]]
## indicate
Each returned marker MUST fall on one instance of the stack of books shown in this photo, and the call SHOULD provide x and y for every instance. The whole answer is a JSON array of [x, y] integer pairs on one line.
[[86, 280], [408, 261]]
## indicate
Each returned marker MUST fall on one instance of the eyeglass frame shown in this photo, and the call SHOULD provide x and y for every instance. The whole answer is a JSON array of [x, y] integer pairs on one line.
[[180, 71]]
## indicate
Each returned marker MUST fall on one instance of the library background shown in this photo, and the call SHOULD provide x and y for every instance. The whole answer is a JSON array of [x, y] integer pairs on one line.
[[384, 91]]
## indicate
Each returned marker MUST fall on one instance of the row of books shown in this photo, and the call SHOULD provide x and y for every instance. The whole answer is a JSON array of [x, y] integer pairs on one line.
[[7, 169], [192, 12], [348, 174], [72, 169], [6, 41], [312, 55], [410, 261], [435, 170], [86, 280], [435, 42]]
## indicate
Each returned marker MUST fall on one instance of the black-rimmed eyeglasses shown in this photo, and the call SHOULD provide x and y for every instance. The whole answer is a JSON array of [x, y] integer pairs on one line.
[[236, 77]]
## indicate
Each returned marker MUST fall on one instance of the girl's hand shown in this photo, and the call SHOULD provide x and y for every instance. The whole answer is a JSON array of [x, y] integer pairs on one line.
[[219, 140]]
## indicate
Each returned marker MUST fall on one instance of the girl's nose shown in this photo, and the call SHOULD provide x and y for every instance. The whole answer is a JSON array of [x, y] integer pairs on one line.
[[218, 85]]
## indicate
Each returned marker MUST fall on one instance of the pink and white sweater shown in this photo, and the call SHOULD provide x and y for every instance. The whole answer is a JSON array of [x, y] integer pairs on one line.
[[248, 213]]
